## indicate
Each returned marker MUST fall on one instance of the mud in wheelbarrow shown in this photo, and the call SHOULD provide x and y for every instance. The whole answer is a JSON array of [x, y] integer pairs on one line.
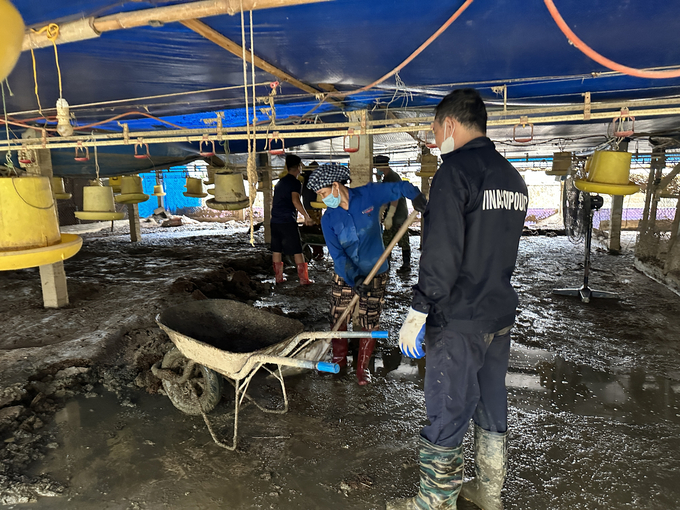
[[220, 337]]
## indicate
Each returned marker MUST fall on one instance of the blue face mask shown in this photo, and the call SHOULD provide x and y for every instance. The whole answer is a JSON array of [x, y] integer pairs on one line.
[[331, 201]]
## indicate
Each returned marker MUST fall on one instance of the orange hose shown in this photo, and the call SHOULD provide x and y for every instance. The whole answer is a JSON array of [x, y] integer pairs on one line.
[[589, 52], [411, 56]]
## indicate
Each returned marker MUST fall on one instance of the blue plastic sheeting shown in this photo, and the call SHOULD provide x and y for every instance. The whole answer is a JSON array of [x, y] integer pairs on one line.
[[174, 200], [345, 43], [350, 43]]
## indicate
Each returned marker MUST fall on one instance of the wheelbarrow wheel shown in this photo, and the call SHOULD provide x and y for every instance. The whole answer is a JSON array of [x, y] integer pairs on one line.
[[205, 383]]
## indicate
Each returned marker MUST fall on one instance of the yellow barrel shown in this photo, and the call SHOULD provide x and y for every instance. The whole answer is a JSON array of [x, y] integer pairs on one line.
[[11, 37], [28, 218], [609, 167]]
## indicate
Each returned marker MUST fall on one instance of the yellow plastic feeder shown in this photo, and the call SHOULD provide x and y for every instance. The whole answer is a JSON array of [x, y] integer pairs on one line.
[[131, 191], [115, 183], [561, 164], [212, 170], [58, 189], [230, 193], [11, 37], [98, 204], [29, 229], [194, 188], [428, 166], [158, 191], [608, 172]]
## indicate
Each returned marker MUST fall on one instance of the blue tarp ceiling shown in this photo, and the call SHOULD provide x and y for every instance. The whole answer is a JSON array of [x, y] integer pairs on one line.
[[350, 43]]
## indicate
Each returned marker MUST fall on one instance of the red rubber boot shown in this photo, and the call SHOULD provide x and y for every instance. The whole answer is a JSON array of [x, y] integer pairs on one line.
[[366, 346], [278, 271], [340, 346], [303, 274]]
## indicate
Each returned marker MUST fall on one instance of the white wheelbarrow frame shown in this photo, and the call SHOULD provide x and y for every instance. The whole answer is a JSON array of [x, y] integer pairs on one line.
[[239, 368]]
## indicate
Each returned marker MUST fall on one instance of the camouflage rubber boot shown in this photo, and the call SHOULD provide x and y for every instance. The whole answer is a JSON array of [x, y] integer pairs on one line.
[[490, 468], [441, 476]]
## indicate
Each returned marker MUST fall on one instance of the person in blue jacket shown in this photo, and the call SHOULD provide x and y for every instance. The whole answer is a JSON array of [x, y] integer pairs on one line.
[[464, 306], [351, 228]]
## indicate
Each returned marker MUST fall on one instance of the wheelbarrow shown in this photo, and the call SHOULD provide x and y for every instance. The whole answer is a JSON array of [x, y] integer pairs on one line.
[[220, 338], [310, 236]]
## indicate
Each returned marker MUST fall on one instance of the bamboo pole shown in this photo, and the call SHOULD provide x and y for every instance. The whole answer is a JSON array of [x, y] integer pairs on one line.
[[78, 30], [224, 42]]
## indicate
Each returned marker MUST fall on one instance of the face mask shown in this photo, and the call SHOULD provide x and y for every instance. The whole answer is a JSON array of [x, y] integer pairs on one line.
[[379, 173], [448, 145], [332, 201]]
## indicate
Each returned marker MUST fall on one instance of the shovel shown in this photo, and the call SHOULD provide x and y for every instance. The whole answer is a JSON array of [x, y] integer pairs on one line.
[[319, 349]]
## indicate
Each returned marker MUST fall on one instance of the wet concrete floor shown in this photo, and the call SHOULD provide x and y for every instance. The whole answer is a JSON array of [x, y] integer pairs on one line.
[[594, 416]]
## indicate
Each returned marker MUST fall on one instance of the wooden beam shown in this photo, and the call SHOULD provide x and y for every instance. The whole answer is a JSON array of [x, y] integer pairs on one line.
[[223, 42], [89, 28]]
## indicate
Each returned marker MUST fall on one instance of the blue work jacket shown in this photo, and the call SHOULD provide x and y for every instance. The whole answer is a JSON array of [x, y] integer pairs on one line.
[[354, 236]]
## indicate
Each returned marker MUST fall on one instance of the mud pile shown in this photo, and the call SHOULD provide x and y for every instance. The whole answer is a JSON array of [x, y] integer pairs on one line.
[[233, 280]]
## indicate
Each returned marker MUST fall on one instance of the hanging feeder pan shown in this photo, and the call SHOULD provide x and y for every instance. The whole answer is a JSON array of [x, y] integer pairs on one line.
[[131, 191], [229, 193], [58, 189], [608, 172], [560, 164], [66, 248], [98, 205], [158, 191], [29, 229], [607, 189], [115, 183], [194, 188]]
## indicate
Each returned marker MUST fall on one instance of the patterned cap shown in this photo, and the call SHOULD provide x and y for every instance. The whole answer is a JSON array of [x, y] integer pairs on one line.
[[326, 175]]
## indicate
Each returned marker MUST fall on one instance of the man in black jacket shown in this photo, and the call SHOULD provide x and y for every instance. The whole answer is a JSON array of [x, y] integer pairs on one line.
[[464, 306]]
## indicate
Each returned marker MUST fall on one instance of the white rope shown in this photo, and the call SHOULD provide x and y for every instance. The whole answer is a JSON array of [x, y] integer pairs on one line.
[[251, 155]]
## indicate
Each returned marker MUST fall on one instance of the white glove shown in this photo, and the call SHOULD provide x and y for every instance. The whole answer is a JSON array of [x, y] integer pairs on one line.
[[389, 218], [412, 334]]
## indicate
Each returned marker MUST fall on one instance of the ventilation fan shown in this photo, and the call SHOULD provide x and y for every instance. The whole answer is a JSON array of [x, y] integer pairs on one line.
[[577, 208]]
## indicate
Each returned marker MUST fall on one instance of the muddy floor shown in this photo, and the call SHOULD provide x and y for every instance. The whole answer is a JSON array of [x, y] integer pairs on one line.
[[594, 418]]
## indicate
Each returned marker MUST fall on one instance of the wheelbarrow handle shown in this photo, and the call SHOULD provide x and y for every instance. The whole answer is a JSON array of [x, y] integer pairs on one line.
[[262, 359], [315, 335], [323, 366]]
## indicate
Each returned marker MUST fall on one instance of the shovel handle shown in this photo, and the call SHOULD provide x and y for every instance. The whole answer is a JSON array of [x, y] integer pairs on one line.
[[400, 233]]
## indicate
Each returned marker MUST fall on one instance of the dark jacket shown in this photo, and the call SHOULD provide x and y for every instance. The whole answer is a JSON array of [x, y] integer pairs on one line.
[[401, 213], [471, 231]]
